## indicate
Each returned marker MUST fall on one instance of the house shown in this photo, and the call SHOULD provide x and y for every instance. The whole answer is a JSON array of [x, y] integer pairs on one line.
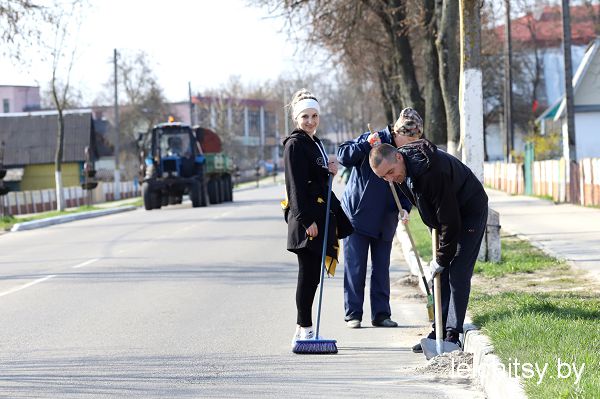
[[586, 99], [540, 33], [30, 146], [19, 98]]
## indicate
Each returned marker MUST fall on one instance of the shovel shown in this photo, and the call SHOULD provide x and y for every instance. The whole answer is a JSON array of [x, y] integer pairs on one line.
[[414, 248], [432, 348]]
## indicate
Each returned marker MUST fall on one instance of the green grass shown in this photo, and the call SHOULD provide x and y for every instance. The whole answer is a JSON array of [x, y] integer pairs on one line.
[[421, 235], [6, 222], [543, 328], [518, 256], [534, 327]]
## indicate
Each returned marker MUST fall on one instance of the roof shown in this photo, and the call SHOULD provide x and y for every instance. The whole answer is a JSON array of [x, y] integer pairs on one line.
[[30, 137], [580, 74], [545, 29]]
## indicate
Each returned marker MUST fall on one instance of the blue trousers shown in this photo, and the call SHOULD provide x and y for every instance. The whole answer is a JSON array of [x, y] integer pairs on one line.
[[356, 249]]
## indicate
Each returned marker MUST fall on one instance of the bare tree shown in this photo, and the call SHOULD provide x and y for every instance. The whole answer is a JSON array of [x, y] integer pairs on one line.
[[62, 55], [142, 104], [21, 22]]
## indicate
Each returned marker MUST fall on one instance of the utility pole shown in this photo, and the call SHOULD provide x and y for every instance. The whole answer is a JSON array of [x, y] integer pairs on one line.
[[471, 87], [508, 97], [117, 136], [191, 104], [569, 146]]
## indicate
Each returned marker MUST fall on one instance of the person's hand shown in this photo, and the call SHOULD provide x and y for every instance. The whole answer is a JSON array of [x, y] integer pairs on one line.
[[312, 230], [404, 216], [374, 139], [332, 167], [435, 269]]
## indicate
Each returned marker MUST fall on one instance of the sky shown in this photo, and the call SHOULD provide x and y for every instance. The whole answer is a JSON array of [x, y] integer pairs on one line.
[[204, 42]]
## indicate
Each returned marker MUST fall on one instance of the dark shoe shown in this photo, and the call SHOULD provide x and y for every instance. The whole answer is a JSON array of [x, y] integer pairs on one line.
[[454, 337], [384, 323], [417, 348]]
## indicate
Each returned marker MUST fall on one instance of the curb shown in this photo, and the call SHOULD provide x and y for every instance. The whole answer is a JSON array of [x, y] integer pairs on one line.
[[488, 370], [36, 224]]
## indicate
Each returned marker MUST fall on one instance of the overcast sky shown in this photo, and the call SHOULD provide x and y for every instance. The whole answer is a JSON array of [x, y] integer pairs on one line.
[[202, 41]]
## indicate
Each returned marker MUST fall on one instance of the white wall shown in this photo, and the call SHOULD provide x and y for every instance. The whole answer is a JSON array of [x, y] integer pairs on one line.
[[587, 129]]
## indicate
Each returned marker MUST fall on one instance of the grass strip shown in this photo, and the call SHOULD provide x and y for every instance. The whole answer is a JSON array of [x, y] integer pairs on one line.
[[558, 332], [550, 341], [7, 222]]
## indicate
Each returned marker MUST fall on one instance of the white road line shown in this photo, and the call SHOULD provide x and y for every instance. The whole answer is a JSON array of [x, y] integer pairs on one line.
[[22, 287], [87, 262]]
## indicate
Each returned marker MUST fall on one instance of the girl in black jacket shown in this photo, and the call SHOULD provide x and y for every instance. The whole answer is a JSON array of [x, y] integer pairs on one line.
[[307, 170]]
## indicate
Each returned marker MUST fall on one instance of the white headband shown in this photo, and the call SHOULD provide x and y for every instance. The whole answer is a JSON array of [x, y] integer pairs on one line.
[[305, 104]]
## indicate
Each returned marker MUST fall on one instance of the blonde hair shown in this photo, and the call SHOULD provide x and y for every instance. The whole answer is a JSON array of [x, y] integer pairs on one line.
[[302, 94]]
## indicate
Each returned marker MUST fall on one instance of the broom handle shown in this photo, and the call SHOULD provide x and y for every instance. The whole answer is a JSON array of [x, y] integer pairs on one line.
[[412, 242], [437, 293], [323, 254]]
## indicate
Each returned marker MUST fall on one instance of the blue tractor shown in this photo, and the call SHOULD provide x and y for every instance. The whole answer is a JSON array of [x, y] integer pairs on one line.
[[172, 166]]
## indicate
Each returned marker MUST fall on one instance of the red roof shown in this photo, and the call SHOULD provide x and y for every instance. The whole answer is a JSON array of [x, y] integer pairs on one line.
[[546, 31]]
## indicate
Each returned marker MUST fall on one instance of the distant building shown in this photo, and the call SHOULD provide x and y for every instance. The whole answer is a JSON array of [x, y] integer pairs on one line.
[[30, 147], [541, 30], [19, 98], [586, 99]]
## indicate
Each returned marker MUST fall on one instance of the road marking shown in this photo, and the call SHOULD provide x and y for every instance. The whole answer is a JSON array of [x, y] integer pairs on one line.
[[87, 262], [22, 287]]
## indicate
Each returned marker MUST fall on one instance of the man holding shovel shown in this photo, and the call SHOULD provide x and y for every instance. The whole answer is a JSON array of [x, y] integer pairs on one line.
[[451, 200]]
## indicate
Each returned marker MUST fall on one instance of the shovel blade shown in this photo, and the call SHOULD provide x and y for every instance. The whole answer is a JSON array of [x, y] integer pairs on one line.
[[430, 348]]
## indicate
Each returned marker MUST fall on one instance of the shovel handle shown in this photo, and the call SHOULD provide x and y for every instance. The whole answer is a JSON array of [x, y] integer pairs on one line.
[[437, 293]]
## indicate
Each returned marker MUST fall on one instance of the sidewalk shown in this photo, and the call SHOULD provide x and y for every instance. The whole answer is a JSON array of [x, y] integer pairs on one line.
[[565, 231]]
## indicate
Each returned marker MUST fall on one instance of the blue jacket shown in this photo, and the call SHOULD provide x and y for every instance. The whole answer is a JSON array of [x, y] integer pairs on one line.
[[367, 199]]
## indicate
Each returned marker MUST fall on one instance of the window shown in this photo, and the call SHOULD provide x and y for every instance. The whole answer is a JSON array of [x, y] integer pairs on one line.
[[6, 105]]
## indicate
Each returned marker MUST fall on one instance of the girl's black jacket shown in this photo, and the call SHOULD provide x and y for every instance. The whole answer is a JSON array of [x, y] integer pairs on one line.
[[306, 185]]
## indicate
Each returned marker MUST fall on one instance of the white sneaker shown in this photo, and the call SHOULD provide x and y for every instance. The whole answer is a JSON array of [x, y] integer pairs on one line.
[[307, 333], [296, 336]]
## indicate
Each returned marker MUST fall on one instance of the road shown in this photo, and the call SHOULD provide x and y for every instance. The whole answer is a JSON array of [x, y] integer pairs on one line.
[[184, 302]]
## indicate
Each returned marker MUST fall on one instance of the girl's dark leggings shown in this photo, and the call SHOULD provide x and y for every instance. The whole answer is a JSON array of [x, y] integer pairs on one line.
[[309, 274]]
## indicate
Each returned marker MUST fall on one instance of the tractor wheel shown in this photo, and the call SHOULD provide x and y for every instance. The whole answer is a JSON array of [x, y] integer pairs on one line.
[[228, 188], [214, 191], [148, 195]]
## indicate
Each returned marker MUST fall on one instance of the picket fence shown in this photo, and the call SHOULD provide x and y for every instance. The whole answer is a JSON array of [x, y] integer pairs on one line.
[[579, 184], [25, 202]]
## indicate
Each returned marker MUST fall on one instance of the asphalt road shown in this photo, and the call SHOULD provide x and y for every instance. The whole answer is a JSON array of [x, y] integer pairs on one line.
[[184, 302]]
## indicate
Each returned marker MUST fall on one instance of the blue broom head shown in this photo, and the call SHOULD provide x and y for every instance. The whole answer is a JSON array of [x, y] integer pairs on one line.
[[315, 347]]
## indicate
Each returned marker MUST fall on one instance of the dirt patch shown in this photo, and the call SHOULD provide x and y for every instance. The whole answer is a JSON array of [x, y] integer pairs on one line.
[[557, 279], [408, 280], [455, 364]]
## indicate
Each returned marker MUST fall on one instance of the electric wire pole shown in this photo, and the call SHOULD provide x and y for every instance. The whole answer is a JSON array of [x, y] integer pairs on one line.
[[117, 135], [508, 97]]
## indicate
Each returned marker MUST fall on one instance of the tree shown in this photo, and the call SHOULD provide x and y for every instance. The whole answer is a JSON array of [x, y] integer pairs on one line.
[[62, 55], [21, 23], [142, 104]]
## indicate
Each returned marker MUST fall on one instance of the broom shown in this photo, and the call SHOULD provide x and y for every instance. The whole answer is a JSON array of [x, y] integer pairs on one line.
[[316, 345], [412, 243]]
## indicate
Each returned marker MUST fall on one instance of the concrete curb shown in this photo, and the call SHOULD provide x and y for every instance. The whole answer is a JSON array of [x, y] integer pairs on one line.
[[36, 224], [488, 370]]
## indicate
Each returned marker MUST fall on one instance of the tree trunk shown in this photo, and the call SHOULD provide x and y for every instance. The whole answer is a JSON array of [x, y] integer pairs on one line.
[[449, 68], [392, 14], [60, 200], [435, 115]]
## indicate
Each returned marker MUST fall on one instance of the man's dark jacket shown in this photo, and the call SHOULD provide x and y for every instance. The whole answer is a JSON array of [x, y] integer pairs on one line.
[[444, 190], [367, 199], [306, 184]]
